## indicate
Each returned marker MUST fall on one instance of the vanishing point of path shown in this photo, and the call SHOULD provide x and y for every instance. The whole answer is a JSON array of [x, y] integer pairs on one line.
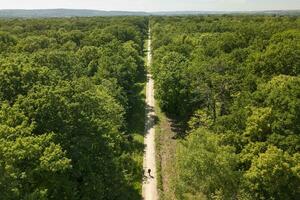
[[150, 181]]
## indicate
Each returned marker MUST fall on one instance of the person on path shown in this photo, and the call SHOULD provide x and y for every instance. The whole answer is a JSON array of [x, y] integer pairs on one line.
[[149, 172]]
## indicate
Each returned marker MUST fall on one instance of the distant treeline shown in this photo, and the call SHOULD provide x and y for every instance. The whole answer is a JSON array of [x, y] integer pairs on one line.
[[233, 84], [45, 13]]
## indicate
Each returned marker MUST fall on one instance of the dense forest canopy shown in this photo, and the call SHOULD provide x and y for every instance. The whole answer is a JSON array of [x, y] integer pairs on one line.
[[66, 97], [233, 83]]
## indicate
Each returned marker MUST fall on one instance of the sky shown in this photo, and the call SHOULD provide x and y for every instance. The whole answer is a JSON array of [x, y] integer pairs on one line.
[[154, 5]]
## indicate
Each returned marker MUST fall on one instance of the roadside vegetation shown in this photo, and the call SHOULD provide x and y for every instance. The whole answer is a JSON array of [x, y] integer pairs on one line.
[[232, 85], [72, 108]]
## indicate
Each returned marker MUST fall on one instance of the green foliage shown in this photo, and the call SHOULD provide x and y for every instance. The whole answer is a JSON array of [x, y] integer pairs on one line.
[[278, 58], [258, 125], [282, 95], [34, 43], [206, 166], [171, 91], [29, 163], [17, 79], [238, 78], [274, 175], [6, 41], [65, 104]]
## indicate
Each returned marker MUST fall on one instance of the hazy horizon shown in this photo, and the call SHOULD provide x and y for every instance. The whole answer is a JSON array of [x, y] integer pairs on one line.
[[155, 5]]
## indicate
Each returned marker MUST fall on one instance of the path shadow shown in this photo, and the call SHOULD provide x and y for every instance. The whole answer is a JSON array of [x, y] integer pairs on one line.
[[151, 119], [136, 102], [178, 126], [151, 176], [147, 178], [134, 132]]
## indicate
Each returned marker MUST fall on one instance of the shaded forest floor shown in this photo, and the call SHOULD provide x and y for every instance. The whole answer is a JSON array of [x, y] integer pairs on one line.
[[136, 124], [136, 127]]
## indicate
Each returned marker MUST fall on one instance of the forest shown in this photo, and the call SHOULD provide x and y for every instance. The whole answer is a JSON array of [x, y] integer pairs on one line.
[[72, 110], [232, 85], [67, 96]]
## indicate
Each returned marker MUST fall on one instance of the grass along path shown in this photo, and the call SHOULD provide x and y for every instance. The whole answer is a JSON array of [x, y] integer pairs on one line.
[[165, 155]]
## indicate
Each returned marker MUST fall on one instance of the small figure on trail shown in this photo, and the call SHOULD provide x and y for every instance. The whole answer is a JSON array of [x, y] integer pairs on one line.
[[149, 172]]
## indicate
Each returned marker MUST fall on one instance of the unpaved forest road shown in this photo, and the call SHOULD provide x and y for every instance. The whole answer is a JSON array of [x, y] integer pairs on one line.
[[149, 181]]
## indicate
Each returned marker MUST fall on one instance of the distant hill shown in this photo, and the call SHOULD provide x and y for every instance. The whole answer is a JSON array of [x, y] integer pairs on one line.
[[267, 12], [19, 13]]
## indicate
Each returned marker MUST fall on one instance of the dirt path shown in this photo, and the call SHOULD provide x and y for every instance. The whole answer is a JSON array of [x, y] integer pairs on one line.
[[150, 181]]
